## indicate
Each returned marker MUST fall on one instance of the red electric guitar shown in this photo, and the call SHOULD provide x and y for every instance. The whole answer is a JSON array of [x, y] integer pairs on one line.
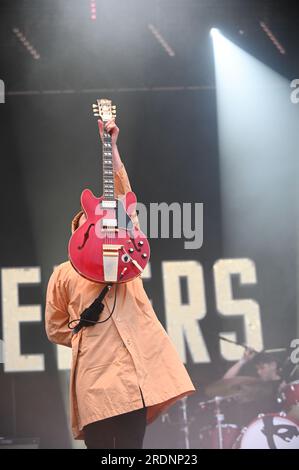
[[108, 248]]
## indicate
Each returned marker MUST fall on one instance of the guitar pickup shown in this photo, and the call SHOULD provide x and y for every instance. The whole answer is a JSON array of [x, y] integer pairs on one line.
[[109, 223], [108, 204]]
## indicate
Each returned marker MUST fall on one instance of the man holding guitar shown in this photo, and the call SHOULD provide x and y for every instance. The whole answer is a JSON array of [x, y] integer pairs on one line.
[[125, 369]]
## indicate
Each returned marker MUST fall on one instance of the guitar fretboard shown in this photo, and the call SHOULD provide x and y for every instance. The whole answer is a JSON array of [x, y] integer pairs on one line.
[[108, 177]]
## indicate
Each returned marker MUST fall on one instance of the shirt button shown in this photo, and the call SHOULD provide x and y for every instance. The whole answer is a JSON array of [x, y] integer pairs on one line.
[[128, 342]]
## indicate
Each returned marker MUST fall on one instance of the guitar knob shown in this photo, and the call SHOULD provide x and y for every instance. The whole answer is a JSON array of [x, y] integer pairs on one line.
[[144, 255], [131, 250], [140, 243]]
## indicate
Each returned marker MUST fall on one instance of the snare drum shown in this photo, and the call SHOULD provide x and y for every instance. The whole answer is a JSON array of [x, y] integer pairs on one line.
[[220, 436], [269, 431]]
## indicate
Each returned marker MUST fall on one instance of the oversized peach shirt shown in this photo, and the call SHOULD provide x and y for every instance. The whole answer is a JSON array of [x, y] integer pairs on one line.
[[113, 362]]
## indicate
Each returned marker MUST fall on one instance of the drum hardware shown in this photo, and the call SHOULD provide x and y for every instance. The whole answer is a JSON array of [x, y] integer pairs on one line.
[[218, 399], [165, 418], [185, 427], [219, 418], [182, 423], [221, 435]]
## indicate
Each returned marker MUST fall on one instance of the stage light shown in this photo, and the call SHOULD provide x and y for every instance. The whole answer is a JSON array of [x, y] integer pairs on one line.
[[258, 144], [27, 45], [93, 10], [161, 40], [272, 38], [214, 32]]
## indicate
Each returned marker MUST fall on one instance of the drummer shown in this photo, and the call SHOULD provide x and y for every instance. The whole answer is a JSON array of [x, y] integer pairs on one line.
[[267, 370], [265, 364]]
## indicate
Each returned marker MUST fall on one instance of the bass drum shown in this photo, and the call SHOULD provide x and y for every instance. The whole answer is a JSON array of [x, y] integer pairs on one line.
[[269, 431]]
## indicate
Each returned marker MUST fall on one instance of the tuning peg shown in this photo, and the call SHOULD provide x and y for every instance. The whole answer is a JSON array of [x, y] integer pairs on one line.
[[96, 114]]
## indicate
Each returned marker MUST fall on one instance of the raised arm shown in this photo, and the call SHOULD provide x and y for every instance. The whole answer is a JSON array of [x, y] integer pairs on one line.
[[235, 369], [121, 180]]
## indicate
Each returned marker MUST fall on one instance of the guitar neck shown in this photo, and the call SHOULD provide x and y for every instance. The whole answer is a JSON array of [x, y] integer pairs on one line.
[[108, 176]]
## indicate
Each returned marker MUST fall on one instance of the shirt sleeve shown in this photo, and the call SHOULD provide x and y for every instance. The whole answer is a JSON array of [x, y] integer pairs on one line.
[[121, 187], [56, 314]]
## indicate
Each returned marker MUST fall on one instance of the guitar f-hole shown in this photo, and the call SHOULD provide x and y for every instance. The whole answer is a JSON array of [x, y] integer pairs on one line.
[[86, 236]]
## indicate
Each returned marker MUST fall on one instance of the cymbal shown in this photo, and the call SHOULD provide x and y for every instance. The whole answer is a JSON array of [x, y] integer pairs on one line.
[[245, 389], [231, 386]]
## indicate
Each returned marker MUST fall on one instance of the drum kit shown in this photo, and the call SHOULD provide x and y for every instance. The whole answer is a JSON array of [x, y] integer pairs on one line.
[[277, 429], [266, 431]]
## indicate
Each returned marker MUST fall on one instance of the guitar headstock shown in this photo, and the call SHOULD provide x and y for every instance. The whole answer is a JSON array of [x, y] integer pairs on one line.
[[104, 109]]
